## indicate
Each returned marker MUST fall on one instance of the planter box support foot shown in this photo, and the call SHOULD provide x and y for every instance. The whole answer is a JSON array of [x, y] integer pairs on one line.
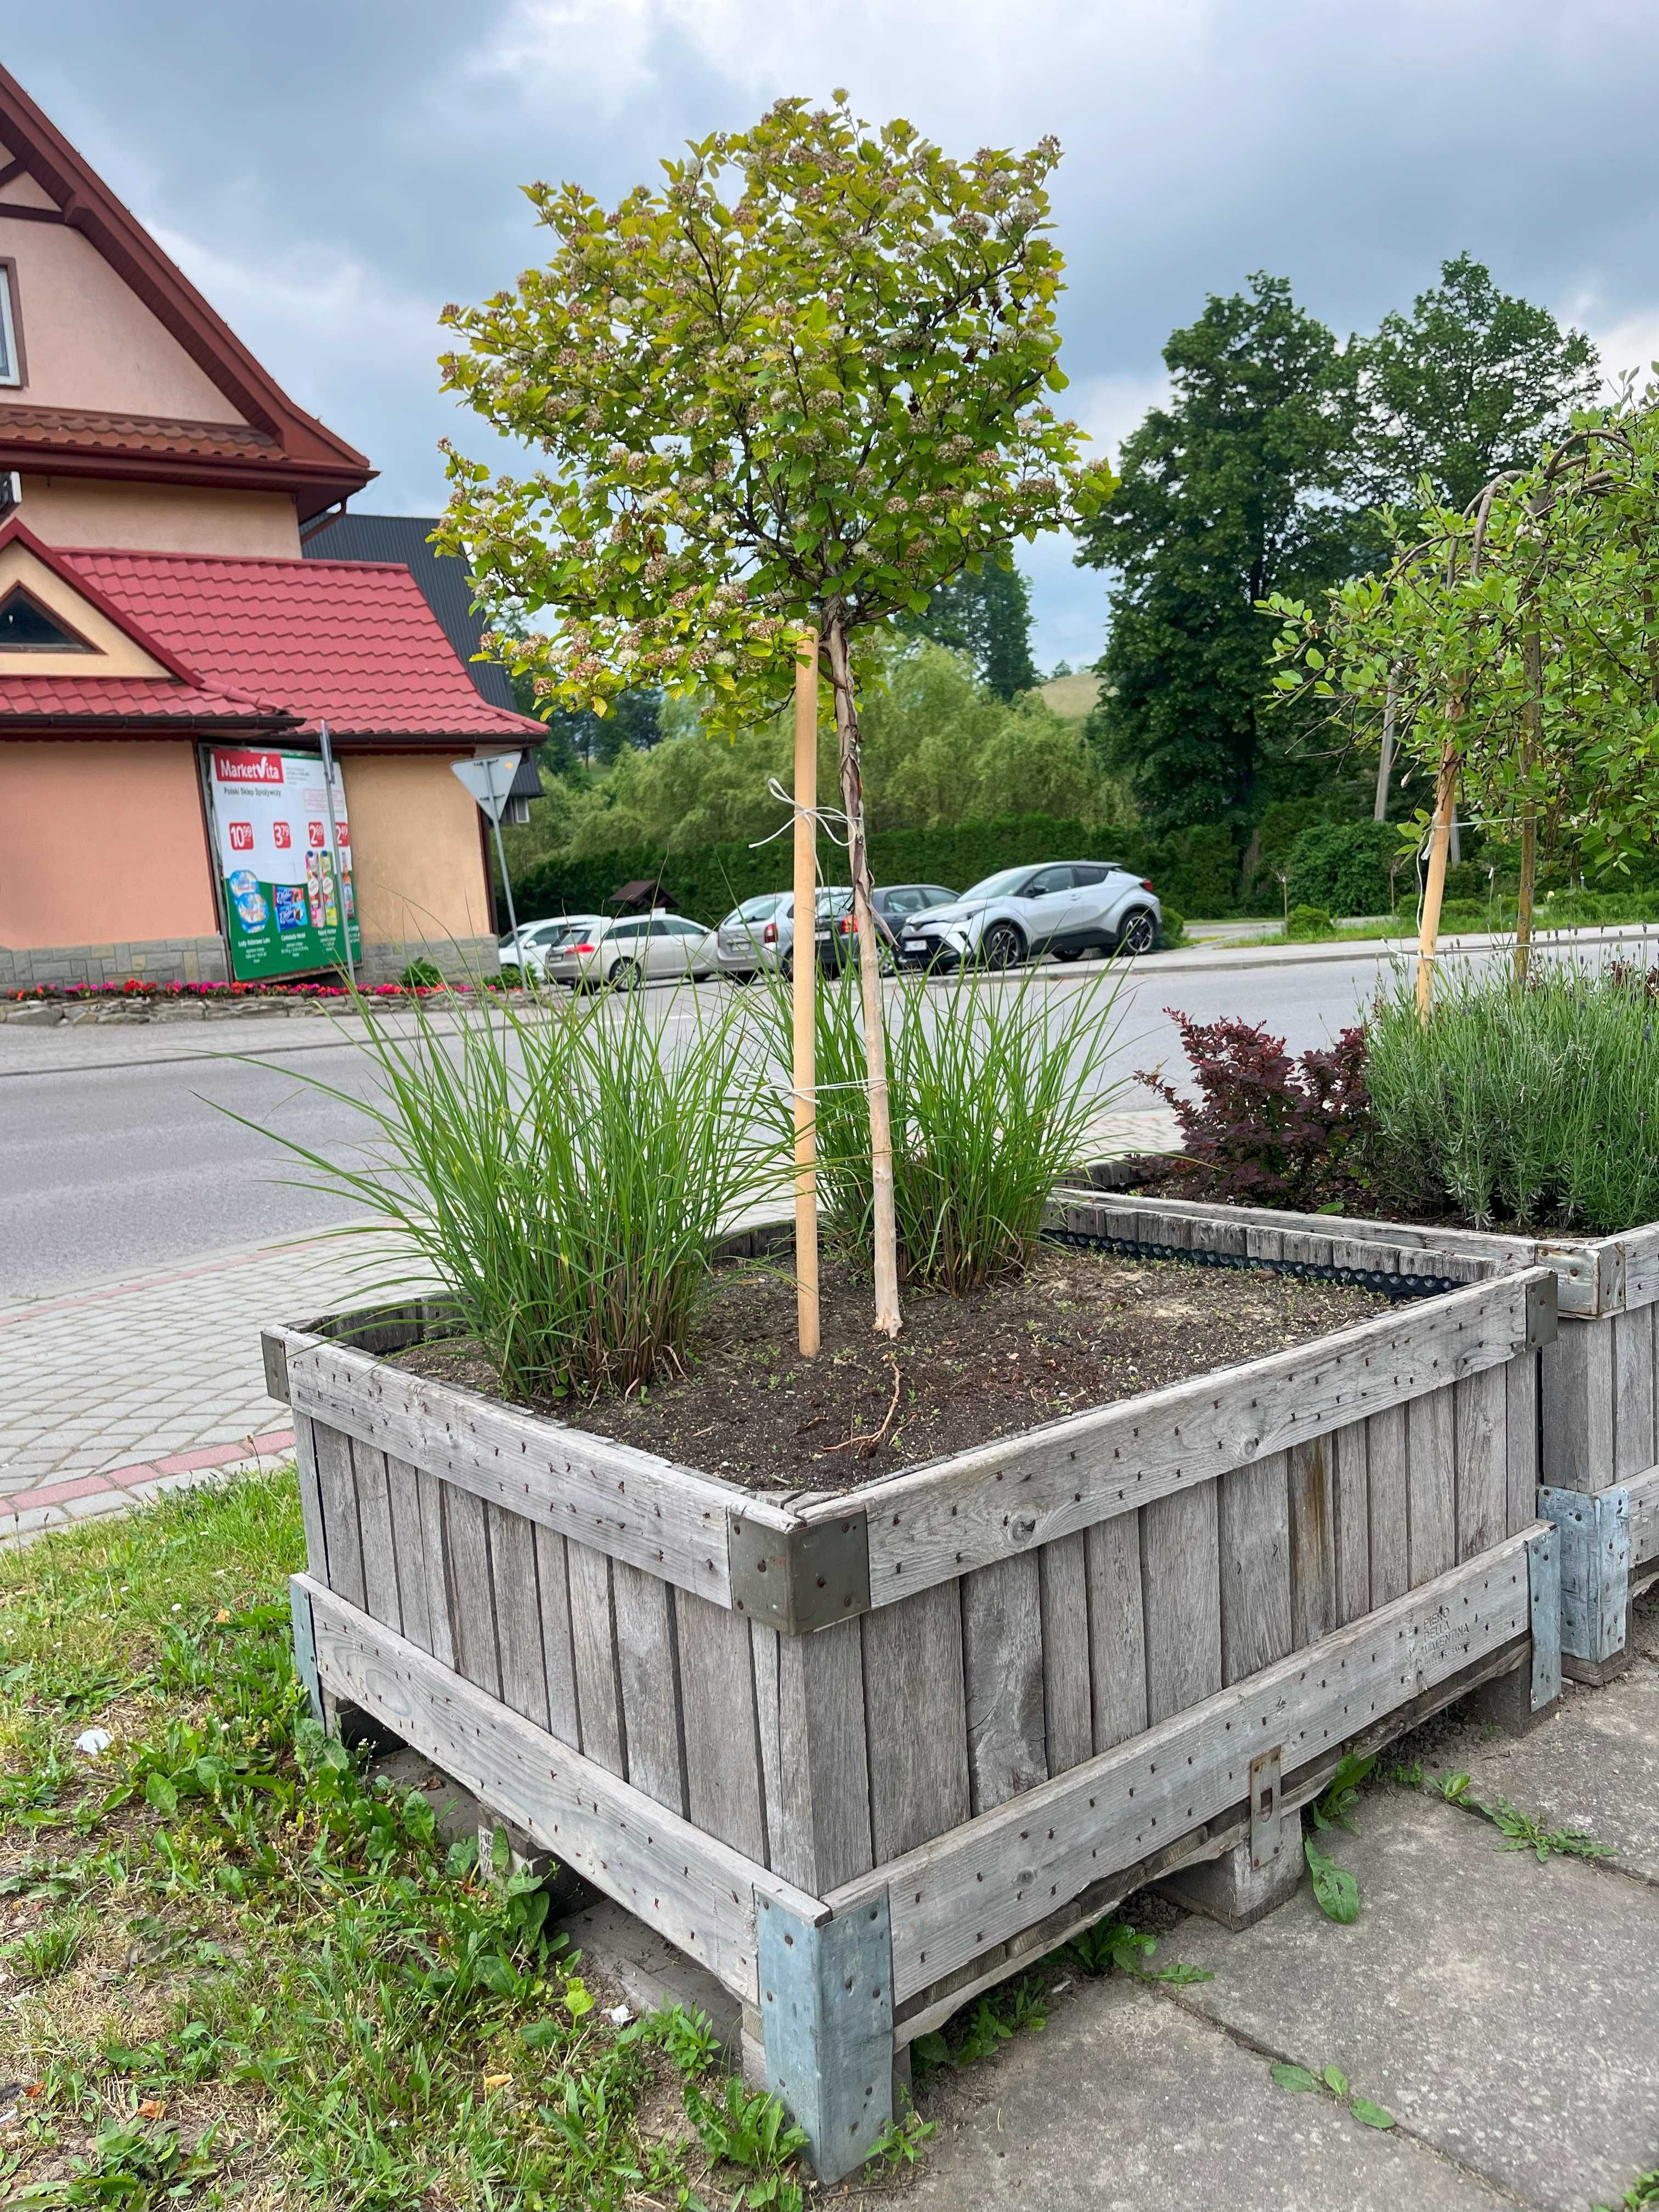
[[826, 2028], [1259, 1873], [1596, 1562]]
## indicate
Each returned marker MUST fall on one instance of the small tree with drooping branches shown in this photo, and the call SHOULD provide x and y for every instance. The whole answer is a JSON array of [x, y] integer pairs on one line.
[[792, 389], [1513, 651]]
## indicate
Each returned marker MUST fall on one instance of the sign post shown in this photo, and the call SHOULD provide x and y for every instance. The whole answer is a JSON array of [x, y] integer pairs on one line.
[[334, 842], [490, 782]]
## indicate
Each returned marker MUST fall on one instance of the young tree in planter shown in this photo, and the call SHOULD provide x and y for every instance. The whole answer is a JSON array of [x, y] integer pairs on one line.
[[795, 387], [1515, 649]]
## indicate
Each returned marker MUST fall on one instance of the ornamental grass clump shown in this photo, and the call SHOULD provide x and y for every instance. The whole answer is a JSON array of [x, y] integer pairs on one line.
[[996, 1086], [1533, 1106], [563, 1171]]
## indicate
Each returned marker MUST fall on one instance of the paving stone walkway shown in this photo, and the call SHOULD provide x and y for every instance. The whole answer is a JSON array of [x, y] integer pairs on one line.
[[124, 1389]]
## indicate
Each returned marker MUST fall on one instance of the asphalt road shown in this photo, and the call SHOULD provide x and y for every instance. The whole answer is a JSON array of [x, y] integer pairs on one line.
[[113, 1164]]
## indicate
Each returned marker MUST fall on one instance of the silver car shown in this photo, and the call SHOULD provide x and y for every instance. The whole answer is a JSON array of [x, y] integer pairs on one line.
[[1064, 907], [632, 950], [768, 941], [737, 941], [527, 948]]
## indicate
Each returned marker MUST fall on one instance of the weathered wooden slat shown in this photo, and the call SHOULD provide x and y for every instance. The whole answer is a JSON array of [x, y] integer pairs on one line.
[[1578, 1406], [810, 1693], [1635, 1446], [1431, 1427], [1515, 1253], [338, 1491], [594, 1644], [936, 1523], [558, 1653], [434, 1545], [374, 1526], [1254, 1534], [1181, 1594], [518, 1613], [1481, 1446], [409, 1546], [1521, 1438], [1639, 1252], [916, 1705], [723, 1786], [1387, 1459], [1067, 1705], [472, 1596], [1644, 1493], [694, 1889], [1117, 1631], [631, 1504], [648, 1669], [955, 1897], [1002, 1660], [1313, 1542], [1351, 1477], [310, 1502]]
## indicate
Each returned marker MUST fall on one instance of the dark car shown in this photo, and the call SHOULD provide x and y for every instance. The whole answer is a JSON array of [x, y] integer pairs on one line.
[[896, 905]]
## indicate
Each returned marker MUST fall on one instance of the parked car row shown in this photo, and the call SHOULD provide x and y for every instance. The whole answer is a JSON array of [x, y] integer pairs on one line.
[[1065, 908]]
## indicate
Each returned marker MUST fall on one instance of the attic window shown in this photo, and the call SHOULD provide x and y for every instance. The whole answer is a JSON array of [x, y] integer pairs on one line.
[[11, 365], [28, 627]]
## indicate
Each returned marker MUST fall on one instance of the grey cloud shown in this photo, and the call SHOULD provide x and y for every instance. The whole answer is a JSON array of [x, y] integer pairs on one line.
[[376, 148]]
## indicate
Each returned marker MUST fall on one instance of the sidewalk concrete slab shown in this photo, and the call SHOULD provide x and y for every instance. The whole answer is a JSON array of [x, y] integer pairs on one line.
[[1127, 2102], [1590, 1766], [1506, 2013]]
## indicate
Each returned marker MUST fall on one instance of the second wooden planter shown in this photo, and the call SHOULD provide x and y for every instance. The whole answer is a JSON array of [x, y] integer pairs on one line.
[[862, 1755], [1597, 1395]]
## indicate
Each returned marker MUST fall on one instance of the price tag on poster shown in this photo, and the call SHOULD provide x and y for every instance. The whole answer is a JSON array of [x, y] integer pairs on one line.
[[270, 834]]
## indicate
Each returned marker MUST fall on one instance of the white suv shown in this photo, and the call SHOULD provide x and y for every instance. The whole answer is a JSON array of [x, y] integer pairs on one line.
[[1064, 907]]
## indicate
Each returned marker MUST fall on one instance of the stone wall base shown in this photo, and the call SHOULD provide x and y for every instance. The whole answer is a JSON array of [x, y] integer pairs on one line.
[[154, 960], [457, 958]]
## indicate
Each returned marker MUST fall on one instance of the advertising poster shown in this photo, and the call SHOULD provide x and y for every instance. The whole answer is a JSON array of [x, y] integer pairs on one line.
[[271, 832]]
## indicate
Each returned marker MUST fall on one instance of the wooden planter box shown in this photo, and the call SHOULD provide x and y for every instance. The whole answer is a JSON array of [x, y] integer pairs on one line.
[[861, 1756], [1597, 1406]]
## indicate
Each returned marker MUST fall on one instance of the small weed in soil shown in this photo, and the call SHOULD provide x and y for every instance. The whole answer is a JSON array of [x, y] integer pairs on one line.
[[1080, 1328]]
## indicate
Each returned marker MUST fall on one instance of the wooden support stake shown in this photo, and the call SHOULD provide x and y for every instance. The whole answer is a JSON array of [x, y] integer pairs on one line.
[[803, 989], [1445, 799]]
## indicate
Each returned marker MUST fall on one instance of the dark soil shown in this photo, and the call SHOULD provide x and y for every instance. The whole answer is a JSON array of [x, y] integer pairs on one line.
[[1081, 1328]]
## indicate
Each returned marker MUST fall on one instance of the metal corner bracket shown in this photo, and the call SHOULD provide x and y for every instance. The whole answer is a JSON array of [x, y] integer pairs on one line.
[[802, 1578]]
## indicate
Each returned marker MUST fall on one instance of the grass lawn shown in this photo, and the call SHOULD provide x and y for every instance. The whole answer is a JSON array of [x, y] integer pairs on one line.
[[236, 1972]]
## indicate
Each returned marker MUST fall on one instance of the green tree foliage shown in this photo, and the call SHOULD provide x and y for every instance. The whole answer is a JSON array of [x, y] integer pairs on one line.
[[988, 618], [1472, 382], [1229, 493], [1343, 866], [939, 747]]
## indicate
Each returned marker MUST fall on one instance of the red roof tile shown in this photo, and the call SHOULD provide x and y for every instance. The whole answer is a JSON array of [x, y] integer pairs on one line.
[[127, 700], [351, 642], [92, 429]]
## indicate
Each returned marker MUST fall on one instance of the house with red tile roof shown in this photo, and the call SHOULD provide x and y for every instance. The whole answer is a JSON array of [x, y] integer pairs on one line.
[[169, 660]]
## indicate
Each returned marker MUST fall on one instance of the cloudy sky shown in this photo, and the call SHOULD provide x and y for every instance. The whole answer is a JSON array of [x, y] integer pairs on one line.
[[331, 172]]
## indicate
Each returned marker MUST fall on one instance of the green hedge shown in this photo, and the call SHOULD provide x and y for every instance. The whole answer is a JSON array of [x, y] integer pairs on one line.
[[1195, 869]]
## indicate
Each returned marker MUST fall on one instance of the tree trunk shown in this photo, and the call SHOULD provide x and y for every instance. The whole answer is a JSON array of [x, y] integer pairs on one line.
[[1445, 801], [1532, 726], [875, 1037]]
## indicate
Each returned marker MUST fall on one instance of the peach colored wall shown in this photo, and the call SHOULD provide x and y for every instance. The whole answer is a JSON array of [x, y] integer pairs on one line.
[[89, 342], [160, 518], [101, 840], [416, 856]]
